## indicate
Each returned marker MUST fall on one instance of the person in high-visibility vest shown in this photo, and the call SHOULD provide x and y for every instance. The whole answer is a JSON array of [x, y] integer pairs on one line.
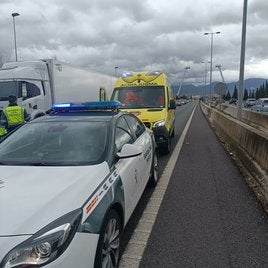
[[13, 115], [2, 131]]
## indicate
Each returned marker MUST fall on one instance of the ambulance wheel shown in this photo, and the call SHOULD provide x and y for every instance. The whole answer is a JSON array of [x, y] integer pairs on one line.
[[167, 147]]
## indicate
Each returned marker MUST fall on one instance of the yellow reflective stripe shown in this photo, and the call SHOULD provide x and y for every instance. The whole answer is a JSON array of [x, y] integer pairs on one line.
[[2, 131], [14, 114]]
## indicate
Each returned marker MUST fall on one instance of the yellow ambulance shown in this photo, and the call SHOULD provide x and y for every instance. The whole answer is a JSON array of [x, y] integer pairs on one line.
[[149, 96]]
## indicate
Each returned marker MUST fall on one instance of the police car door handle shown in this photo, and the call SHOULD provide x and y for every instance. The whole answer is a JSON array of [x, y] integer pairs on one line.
[[136, 175]]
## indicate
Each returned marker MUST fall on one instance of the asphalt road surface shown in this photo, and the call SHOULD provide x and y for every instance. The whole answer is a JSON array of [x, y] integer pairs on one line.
[[209, 217], [182, 115]]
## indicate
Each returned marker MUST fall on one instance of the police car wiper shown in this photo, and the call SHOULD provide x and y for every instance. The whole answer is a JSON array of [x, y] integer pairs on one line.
[[52, 164], [39, 164]]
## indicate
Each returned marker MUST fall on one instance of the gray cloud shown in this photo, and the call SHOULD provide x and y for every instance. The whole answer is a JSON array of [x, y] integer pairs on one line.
[[101, 34]]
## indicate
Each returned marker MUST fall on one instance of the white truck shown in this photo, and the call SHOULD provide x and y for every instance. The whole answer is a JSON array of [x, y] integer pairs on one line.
[[41, 83]]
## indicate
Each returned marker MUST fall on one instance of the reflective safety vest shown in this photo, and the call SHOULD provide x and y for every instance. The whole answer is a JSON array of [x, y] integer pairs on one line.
[[14, 115], [2, 131]]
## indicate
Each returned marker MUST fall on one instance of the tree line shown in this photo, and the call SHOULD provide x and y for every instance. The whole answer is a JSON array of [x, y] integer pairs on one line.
[[261, 92]]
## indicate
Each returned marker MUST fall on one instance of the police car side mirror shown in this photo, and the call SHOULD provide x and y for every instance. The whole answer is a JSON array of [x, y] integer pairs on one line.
[[129, 150]]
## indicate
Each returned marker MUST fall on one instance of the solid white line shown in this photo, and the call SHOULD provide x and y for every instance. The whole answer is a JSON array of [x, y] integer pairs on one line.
[[132, 255]]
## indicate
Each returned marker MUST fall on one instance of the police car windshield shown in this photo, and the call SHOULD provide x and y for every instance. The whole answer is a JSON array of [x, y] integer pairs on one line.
[[61, 143], [140, 96]]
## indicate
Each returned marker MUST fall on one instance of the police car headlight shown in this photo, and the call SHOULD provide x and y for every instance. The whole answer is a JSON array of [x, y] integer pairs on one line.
[[159, 123], [46, 245]]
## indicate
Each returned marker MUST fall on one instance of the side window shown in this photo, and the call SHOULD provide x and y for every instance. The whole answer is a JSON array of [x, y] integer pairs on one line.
[[171, 95], [136, 126], [122, 134], [32, 90]]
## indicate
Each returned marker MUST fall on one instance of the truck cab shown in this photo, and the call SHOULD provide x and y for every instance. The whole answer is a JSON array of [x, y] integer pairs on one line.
[[29, 82], [39, 84], [149, 96]]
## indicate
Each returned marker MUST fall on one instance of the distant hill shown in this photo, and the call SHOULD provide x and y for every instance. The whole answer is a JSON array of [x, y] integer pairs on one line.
[[192, 90]]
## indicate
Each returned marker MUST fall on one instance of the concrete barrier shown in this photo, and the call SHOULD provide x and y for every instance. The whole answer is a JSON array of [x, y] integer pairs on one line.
[[255, 119], [248, 143]]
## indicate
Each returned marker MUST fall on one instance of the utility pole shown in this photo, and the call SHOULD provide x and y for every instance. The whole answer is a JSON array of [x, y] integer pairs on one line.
[[14, 28], [184, 73], [211, 55], [219, 67], [242, 62]]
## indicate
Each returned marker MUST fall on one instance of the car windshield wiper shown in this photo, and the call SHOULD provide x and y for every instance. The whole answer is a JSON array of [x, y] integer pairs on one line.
[[26, 164], [53, 164], [42, 164], [13, 164]]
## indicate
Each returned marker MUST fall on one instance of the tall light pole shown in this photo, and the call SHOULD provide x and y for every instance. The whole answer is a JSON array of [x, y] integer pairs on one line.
[[211, 55], [219, 67], [115, 70], [242, 62], [206, 70], [221, 92], [15, 42], [185, 69]]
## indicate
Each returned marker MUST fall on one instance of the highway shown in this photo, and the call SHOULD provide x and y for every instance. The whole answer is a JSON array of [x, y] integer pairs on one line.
[[182, 115], [209, 217]]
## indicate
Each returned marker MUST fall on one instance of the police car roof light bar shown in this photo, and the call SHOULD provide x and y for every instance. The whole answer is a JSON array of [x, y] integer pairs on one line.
[[86, 106]]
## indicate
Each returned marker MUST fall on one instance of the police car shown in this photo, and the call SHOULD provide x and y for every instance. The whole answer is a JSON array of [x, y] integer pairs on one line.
[[69, 182]]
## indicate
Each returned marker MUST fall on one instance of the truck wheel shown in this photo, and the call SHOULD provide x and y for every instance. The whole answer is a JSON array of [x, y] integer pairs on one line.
[[107, 254]]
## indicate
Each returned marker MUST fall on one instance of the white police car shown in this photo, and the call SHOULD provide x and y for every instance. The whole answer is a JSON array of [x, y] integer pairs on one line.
[[69, 182]]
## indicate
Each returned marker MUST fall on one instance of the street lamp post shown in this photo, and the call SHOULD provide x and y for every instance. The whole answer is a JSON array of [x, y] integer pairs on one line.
[[219, 67], [242, 61], [205, 76], [115, 70], [185, 69], [15, 42], [211, 55]]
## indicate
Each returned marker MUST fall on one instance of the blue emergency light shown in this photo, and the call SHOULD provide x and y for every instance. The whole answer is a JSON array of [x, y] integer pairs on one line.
[[86, 106], [127, 74], [155, 73]]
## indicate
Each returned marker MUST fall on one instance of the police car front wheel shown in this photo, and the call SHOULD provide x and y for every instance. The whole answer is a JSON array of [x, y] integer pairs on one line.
[[107, 254], [154, 170]]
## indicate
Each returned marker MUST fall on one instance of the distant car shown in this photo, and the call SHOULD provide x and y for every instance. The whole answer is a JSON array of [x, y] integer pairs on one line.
[[69, 183], [250, 102], [261, 105], [233, 101]]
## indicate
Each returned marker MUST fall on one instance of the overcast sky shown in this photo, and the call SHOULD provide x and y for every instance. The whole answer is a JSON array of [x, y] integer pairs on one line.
[[139, 35]]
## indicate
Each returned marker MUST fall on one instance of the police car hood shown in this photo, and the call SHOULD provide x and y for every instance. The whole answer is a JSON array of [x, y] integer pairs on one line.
[[32, 197]]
